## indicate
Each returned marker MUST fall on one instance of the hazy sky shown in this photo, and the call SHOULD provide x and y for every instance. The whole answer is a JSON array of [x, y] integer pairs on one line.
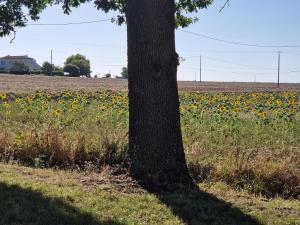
[[261, 22]]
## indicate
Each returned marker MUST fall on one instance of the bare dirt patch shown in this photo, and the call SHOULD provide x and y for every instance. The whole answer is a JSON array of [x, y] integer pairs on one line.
[[22, 84], [106, 176]]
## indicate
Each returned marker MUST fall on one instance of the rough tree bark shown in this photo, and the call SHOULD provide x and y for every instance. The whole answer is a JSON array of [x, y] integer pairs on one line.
[[155, 142]]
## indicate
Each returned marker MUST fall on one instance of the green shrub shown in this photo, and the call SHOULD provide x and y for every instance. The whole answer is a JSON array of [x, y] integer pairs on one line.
[[3, 71], [58, 73], [19, 69], [36, 72]]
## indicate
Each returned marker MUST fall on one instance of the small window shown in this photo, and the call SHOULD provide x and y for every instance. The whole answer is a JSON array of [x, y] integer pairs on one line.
[[2, 63]]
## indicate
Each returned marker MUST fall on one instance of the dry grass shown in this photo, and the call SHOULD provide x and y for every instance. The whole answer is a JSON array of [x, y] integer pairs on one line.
[[50, 148], [24, 84]]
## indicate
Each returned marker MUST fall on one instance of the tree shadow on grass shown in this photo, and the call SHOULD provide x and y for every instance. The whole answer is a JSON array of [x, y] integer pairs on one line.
[[20, 206], [197, 207]]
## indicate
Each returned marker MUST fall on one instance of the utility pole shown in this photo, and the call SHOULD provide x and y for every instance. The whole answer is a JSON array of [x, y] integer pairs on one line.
[[278, 78], [51, 62], [200, 68], [195, 75]]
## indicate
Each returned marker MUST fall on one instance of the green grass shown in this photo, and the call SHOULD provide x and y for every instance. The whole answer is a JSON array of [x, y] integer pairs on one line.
[[40, 196]]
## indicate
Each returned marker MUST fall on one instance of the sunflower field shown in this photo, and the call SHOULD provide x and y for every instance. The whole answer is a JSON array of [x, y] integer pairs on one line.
[[250, 140]]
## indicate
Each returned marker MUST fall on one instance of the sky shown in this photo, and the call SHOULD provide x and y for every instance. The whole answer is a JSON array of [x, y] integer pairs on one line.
[[255, 22]]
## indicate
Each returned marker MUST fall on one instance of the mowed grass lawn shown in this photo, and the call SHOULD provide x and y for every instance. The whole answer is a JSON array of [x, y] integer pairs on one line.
[[48, 197]]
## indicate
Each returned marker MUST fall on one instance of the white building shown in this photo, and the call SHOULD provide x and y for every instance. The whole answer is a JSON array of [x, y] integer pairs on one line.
[[7, 61]]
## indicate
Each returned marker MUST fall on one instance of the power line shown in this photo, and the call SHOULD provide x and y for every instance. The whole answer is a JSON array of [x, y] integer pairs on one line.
[[189, 32], [230, 72], [229, 52], [294, 71], [240, 64], [226, 69], [292, 53], [98, 65], [73, 43], [253, 67], [67, 24], [96, 57], [239, 43], [238, 52]]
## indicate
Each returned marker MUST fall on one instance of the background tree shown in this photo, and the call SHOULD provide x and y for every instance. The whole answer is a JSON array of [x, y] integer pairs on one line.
[[72, 70], [57, 68], [156, 154], [124, 72], [19, 68], [49, 69], [107, 75], [81, 62]]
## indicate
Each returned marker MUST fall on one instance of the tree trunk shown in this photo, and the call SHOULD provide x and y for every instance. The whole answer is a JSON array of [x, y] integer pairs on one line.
[[156, 154]]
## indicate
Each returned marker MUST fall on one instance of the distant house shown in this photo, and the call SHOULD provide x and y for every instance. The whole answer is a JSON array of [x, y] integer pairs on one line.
[[7, 61]]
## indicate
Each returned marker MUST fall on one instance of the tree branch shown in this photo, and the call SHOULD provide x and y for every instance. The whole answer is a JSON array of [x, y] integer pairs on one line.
[[13, 38], [226, 3]]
